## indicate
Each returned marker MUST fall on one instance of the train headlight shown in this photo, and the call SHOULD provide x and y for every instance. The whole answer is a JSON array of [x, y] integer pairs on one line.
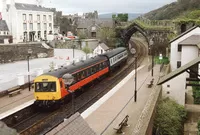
[[37, 97], [53, 98]]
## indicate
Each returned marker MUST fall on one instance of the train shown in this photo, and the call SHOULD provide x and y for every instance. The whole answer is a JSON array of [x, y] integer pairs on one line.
[[50, 88]]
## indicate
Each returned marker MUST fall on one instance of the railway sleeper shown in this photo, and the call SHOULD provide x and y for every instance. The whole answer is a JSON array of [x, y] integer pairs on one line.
[[121, 125]]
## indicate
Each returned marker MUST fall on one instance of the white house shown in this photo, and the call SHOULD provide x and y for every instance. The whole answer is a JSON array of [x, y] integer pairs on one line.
[[3, 28], [4, 32], [176, 55], [100, 49], [184, 49], [27, 22]]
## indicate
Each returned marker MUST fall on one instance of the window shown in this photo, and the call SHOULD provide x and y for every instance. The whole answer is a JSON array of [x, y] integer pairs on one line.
[[38, 17], [45, 26], [45, 87], [24, 17], [31, 26], [93, 34], [4, 33], [179, 48], [44, 17], [25, 26], [50, 18], [50, 26], [30, 17], [178, 64], [38, 26]]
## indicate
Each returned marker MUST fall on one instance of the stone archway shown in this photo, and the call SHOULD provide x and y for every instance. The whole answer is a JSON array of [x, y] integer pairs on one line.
[[126, 34]]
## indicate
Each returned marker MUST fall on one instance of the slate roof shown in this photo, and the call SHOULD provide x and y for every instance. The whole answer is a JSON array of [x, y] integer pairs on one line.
[[104, 46], [3, 26], [192, 40], [23, 6], [75, 125], [184, 33], [178, 71], [85, 23]]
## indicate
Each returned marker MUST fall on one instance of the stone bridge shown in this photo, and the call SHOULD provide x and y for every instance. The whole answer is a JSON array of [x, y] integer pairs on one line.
[[157, 33]]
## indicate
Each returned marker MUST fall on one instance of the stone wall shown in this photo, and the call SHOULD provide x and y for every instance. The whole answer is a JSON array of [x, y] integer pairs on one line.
[[17, 52]]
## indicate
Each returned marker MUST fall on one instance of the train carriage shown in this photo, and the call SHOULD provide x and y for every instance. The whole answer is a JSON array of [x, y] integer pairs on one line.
[[50, 88], [116, 57]]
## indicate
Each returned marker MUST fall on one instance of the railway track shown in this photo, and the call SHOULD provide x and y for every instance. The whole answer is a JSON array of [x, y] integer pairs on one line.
[[43, 122]]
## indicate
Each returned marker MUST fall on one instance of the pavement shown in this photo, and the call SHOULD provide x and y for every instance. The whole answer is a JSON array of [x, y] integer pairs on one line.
[[7, 103], [109, 114]]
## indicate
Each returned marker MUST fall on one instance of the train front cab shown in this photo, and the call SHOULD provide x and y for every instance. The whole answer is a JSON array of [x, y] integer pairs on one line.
[[47, 90]]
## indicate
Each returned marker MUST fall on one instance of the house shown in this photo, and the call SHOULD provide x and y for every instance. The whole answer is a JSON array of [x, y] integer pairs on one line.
[[176, 55], [100, 49], [27, 22], [184, 50], [4, 32], [91, 27]]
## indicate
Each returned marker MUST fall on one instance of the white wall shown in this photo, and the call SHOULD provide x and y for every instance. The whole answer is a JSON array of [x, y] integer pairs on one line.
[[176, 90], [15, 23], [175, 55], [189, 53], [98, 50]]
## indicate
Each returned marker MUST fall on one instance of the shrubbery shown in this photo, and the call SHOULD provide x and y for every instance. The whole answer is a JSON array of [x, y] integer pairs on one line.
[[165, 60], [170, 117], [196, 93]]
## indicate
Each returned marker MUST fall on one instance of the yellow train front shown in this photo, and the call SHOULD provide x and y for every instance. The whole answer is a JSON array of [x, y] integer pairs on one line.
[[50, 88], [47, 91]]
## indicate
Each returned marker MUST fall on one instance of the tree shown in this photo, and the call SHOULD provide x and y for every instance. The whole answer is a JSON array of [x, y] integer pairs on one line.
[[170, 117], [107, 35], [120, 17], [86, 49], [82, 35], [52, 66]]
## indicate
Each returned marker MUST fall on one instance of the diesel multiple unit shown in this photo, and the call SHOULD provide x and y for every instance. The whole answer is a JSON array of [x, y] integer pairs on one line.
[[50, 88]]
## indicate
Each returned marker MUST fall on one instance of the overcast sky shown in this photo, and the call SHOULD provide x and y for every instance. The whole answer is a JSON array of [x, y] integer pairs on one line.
[[102, 6]]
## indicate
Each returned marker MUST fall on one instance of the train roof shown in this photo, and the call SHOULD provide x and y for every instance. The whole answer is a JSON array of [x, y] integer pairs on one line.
[[74, 67], [114, 52]]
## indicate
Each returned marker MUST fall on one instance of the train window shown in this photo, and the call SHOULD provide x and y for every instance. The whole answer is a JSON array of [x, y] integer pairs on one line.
[[97, 66], [75, 78], [45, 87], [94, 69], [82, 74], [89, 71]]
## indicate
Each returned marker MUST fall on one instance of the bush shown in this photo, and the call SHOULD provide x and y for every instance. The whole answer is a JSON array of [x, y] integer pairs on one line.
[[165, 60], [170, 117], [196, 93], [198, 126]]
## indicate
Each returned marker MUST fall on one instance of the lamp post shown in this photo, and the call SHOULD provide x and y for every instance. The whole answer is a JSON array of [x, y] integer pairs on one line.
[[152, 54], [68, 80], [135, 98], [29, 83]]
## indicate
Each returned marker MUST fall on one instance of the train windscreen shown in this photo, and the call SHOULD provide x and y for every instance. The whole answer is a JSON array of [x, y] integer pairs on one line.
[[45, 87]]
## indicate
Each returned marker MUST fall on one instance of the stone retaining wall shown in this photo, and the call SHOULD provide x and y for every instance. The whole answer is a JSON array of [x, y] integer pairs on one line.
[[17, 52]]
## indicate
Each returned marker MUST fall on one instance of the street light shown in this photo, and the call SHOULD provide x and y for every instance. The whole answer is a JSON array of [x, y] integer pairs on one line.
[[68, 80], [29, 83], [152, 54], [133, 51], [135, 79]]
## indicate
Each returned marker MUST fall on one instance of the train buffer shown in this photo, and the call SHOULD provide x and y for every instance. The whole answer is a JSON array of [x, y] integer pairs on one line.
[[121, 125], [14, 91], [150, 84]]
